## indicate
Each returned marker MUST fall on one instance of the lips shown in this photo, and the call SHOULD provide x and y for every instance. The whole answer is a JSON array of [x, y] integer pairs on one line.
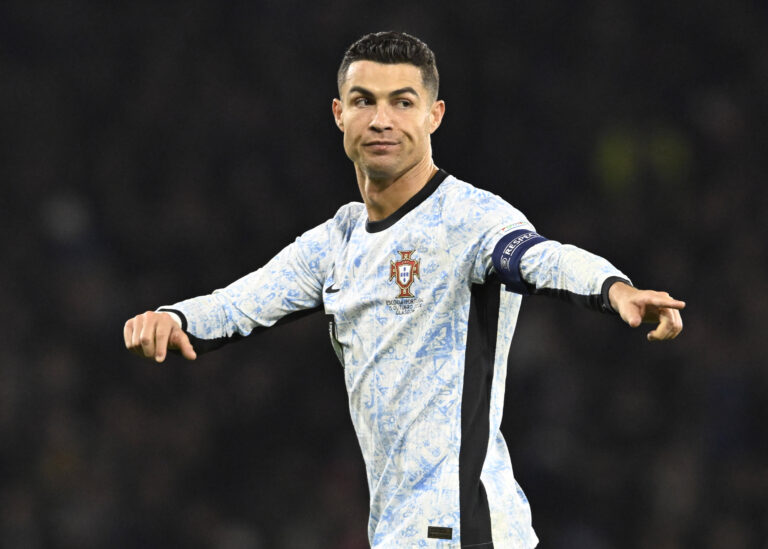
[[380, 146], [380, 143]]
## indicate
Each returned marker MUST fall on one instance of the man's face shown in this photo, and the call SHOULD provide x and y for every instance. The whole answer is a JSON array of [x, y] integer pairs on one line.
[[387, 116]]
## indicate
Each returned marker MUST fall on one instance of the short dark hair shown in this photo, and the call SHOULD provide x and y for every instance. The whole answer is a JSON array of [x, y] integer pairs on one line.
[[392, 47]]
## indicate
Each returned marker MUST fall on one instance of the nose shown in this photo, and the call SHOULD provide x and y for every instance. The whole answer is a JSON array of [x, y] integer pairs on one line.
[[382, 119]]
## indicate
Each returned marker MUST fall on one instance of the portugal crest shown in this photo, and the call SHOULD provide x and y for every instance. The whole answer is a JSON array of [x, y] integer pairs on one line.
[[403, 272]]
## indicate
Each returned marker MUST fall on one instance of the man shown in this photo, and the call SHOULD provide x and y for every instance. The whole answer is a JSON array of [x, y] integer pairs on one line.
[[423, 283]]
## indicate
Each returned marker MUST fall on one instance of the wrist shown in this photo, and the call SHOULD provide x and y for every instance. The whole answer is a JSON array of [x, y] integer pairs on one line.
[[177, 316], [617, 292]]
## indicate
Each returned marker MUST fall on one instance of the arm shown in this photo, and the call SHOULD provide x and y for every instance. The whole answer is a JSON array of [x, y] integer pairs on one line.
[[289, 283], [530, 264]]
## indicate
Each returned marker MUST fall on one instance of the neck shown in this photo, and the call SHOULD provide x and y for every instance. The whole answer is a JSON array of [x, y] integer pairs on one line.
[[383, 196]]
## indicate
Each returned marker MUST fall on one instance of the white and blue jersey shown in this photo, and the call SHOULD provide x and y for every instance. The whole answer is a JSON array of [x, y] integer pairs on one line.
[[423, 306]]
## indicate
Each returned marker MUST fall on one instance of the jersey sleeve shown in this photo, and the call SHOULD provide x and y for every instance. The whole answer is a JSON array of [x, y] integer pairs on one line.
[[528, 264], [506, 245], [486, 220], [289, 284]]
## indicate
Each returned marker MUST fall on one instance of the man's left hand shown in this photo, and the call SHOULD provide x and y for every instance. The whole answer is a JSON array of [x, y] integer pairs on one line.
[[638, 306]]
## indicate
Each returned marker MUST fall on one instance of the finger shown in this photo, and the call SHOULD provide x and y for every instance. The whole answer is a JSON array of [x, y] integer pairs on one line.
[[665, 301], [670, 325], [135, 342], [659, 334], [676, 323], [179, 340], [633, 315], [162, 334], [128, 334], [147, 336]]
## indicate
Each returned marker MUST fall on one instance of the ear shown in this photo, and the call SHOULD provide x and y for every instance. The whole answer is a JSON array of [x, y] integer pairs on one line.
[[337, 109], [436, 113]]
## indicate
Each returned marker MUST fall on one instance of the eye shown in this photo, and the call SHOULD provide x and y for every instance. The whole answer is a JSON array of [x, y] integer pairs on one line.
[[404, 103], [361, 102]]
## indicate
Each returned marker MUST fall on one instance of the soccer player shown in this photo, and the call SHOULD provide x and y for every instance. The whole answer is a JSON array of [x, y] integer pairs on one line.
[[423, 283]]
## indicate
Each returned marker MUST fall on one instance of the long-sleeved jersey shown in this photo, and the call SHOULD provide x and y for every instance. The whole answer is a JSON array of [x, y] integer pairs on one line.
[[423, 307]]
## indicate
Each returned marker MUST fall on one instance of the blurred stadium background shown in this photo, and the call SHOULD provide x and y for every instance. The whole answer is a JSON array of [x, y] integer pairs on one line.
[[155, 151]]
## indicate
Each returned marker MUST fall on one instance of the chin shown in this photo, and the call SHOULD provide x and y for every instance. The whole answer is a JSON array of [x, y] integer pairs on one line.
[[379, 173], [381, 169]]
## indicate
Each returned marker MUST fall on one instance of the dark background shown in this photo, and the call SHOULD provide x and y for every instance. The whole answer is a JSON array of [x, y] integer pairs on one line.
[[150, 152]]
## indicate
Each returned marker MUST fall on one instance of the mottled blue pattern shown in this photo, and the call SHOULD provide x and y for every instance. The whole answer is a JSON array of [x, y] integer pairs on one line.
[[403, 358]]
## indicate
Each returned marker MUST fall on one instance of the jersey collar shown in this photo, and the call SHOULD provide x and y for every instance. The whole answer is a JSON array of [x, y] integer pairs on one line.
[[415, 200]]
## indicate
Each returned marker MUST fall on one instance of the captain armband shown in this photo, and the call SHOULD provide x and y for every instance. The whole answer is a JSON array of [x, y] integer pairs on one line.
[[506, 259]]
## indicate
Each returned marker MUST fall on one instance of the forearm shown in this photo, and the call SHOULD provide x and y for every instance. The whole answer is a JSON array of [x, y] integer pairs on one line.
[[210, 321], [530, 264], [571, 273], [256, 301], [210, 317]]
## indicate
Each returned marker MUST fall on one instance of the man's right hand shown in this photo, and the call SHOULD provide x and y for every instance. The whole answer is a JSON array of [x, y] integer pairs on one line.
[[152, 335]]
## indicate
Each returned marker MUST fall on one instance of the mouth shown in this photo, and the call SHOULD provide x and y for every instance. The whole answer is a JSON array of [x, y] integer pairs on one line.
[[380, 145]]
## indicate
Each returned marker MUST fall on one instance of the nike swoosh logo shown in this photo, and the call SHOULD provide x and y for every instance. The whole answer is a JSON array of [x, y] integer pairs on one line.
[[331, 290]]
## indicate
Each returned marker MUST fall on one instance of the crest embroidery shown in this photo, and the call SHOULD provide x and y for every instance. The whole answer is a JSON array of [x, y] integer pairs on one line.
[[404, 272]]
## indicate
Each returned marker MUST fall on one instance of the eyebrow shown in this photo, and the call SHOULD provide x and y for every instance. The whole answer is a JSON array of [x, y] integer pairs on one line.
[[401, 91]]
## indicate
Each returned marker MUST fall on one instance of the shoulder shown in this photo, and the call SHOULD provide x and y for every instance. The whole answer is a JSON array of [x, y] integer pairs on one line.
[[347, 217], [334, 230], [349, 212], [468, 204]]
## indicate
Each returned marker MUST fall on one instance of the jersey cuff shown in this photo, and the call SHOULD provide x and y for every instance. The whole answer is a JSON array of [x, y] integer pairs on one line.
[[506, 258], [177, 315]]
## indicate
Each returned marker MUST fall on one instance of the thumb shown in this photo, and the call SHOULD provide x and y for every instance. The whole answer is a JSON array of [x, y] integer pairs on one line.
[[179, 340], [633, 316]]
